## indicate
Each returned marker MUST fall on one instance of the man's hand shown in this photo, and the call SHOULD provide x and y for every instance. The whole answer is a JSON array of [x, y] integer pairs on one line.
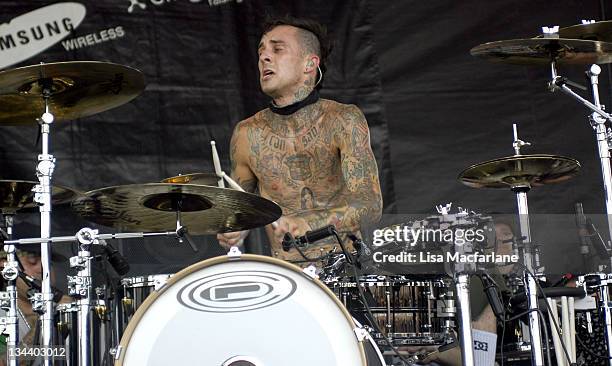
[[294, 225], [236, 238]]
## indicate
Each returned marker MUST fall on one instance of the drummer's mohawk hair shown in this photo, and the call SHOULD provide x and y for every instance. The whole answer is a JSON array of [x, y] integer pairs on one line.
[[313, 36]]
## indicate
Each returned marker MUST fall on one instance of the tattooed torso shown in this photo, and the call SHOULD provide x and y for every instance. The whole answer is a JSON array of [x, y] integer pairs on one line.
[[297, 162], [296, 158]]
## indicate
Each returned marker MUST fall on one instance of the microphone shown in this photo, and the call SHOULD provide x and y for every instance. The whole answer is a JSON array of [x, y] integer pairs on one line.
[[307, 239], [564, 280], [119, 263], [583, 231], [492, 295], [37, 285]]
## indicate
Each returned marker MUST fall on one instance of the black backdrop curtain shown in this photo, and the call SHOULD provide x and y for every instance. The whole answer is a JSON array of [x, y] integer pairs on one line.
[[433, 109]]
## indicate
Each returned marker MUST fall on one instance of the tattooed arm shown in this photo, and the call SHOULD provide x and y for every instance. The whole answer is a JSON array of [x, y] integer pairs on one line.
[[239, 157], [362, 202], [242, 174]]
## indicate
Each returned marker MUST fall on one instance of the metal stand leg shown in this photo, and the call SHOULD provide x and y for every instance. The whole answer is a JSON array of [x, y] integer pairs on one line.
[[598, 121], [531, 263], [607, 313], [465, 319], [44, 171], [10, 273], [80, 286]]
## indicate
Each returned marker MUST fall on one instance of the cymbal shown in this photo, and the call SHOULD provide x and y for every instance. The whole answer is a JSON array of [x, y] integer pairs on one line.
[[520, 170], [598, 31], [78, 89], [16, 195], [539, 51], [152, 207], [205, 179]]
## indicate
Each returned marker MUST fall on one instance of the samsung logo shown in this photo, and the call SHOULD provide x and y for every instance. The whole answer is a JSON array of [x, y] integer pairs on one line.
[[29, 34]]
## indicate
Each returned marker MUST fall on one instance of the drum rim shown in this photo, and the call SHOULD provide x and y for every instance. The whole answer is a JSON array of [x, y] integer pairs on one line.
[[137, 317]]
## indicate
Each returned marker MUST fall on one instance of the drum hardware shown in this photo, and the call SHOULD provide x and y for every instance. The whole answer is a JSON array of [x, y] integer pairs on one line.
[[80, 285], [59, 91], [461, 276], [552, 50], [599, 282], [10, 272], [520, 173]]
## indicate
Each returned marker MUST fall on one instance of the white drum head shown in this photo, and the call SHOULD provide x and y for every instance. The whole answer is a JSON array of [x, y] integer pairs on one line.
[[253, 310]]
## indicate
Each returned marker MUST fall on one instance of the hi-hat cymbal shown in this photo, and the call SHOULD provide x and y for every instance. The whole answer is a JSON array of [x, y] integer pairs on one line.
[[152, 207], [78, 89], [520, 171], [538, 51], [205, 179], [16, 195]]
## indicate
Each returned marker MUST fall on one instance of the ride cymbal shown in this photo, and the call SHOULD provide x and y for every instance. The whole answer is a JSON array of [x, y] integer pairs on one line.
[[153, 207], [520, 171], [77, 89], [16, 195], [539, 51]]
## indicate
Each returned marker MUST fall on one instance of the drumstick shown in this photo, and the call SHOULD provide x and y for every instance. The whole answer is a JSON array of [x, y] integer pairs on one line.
[[554, 318], [217, 164], [222, 176]]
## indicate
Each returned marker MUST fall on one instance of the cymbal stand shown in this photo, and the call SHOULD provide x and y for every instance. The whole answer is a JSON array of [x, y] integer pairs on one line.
[[599, 121], [461, 277], [44, 172], [10, 274], [530, 260], [80, 285]]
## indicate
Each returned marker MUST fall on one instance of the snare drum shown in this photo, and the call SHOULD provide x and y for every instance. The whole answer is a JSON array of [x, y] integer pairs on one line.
[[248, 310], [408, 311]]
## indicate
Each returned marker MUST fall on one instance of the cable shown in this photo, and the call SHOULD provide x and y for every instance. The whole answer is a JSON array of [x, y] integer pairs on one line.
[[373, 319], [557, 328], [373, 322]]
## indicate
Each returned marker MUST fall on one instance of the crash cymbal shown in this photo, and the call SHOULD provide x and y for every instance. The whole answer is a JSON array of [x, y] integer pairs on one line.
[[598, 31], [17, 195], [152, 207], [205, 179], [520, 170], [78, 89], [538, 51]]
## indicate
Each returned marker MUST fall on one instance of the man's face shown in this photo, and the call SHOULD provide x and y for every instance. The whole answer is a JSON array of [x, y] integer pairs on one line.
[[31, 263], [281, 62]]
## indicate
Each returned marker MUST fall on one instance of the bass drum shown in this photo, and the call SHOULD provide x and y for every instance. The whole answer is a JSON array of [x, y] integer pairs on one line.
[[246, 310]]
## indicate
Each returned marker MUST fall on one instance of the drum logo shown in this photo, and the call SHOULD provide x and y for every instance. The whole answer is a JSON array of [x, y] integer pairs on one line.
[[236, 291]]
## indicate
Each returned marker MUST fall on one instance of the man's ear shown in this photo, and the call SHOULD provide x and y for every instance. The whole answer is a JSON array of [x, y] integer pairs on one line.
[[312, 62]]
